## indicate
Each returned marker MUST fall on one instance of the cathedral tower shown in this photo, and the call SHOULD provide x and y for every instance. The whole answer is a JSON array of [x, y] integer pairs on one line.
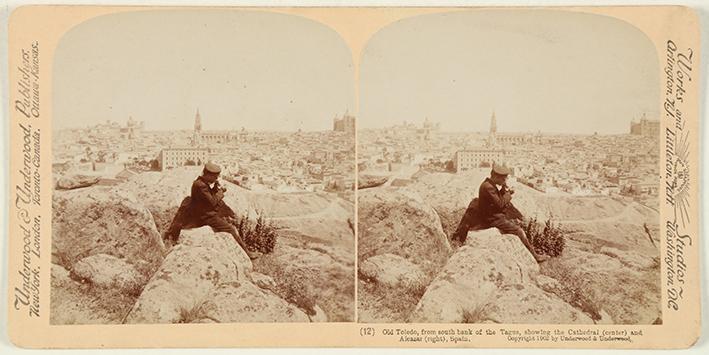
[[197, 134], [492, 140]]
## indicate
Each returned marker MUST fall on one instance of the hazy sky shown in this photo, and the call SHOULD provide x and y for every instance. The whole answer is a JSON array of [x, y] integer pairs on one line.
[[539, 70], [242, 69]]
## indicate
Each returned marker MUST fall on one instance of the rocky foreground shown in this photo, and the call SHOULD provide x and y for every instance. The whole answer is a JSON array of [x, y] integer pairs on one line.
[[609, 271], [109, 263]]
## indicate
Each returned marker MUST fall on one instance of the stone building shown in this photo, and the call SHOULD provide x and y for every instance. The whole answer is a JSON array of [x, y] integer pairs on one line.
[[200, 137], [132, 129], [645, 127], [505, 139], [344, 124], [173, 157], [470, 159]]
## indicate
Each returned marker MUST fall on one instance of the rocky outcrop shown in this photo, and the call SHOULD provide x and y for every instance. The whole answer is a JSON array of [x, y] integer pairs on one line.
[[102, 220], [397, 222], [103, 234], [315, 237], [76, 181], [492, 279], [207, 277], [393, 271], [200, 262], [400, 242], [75, 302], [108, 271], [241, 302], [609, 241]]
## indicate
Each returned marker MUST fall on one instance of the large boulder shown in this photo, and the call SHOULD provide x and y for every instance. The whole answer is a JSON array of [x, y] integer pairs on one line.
[[242, 302], [108, 271], [398, 231], [200, 262], [492, 279], [103, 220], [73, 302], [393, 271], [398, 222], [609, 241]]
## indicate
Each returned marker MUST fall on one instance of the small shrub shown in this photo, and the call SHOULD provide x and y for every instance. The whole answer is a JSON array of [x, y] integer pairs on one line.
[[259, 235], [478, 315], [548, 239], [191, 315]]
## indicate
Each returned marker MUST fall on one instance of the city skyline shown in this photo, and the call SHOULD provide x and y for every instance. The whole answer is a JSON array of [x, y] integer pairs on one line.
[[187, 124], [540, 70], [241, 68], [421, 122]]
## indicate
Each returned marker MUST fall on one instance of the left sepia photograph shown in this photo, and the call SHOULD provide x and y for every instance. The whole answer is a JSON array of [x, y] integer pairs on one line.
[[204, 169]]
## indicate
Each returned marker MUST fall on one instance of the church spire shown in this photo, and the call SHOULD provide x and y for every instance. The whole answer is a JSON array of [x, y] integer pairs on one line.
[[493, 123], [492, 139], [197, 122]]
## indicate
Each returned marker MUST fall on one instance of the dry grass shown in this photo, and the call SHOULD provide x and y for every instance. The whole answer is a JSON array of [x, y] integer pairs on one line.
[[574, 289], [294, 286], [192, 314], [479, 314]]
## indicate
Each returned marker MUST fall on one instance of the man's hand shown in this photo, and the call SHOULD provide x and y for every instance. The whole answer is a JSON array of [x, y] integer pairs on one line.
[[507, 197], [508, 189], [219, 195]]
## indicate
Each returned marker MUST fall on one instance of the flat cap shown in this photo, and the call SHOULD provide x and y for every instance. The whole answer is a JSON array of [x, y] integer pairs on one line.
[[500, 169], [212, 168]]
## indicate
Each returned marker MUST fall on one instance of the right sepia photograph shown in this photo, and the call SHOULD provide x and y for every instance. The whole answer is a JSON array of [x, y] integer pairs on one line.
[[508, 170]]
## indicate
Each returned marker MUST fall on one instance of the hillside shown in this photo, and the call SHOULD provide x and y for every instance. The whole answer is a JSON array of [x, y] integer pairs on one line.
[[109, 263], [606, 246]]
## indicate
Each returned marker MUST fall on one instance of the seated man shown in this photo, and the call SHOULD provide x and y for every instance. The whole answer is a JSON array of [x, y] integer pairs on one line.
[[206, 207], [494, 198]]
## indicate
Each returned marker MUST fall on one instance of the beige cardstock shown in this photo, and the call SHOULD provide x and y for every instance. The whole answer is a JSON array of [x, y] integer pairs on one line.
[[35, 31]]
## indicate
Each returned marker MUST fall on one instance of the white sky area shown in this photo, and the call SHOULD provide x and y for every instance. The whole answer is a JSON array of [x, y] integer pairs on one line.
[[538, 70], [261, 71]]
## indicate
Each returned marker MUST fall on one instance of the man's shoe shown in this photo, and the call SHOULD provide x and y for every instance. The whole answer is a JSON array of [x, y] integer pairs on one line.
[[540, 258]]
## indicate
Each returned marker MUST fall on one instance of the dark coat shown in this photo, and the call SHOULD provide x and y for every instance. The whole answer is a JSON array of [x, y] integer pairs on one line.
[[197, 208], [491, 207], [204, 201], [492, 203]]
